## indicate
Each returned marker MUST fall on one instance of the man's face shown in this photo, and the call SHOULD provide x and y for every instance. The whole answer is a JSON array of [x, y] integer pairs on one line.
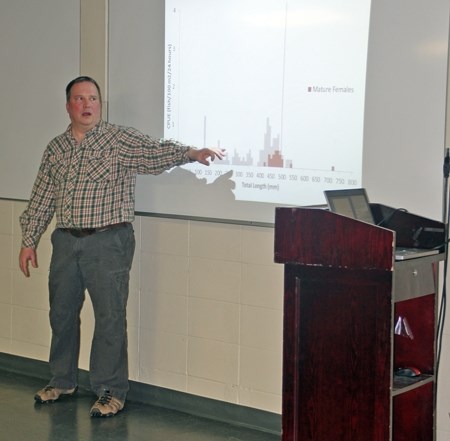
[[84, 106]]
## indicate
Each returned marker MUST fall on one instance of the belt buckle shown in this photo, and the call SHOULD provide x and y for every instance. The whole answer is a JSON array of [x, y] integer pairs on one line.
[[81, 232]]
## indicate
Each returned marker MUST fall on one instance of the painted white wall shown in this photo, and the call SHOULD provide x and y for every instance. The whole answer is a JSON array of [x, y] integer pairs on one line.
[[405, 110]]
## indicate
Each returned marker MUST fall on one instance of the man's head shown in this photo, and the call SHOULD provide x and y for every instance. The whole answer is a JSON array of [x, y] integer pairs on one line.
[[83, 103], [80, 80]]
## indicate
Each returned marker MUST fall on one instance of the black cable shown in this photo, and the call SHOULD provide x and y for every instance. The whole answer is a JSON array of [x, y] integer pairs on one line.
[[446, 167], [441, 315], [443, 305], [386, 219]]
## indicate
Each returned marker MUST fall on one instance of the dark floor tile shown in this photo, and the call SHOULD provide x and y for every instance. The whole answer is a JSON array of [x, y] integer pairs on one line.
[[21, 419]]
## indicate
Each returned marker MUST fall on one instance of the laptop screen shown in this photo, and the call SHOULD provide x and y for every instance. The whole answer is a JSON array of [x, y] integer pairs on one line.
[[351, 203]]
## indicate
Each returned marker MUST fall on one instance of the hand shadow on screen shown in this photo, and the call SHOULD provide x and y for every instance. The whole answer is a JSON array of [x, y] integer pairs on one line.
[[183, 185]]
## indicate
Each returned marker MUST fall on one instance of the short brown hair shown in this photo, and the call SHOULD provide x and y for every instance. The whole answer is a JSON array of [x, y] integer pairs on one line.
[[81, 80]]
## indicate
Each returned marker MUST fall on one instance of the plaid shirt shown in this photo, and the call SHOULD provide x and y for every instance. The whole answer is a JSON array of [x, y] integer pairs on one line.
[[92, 184]]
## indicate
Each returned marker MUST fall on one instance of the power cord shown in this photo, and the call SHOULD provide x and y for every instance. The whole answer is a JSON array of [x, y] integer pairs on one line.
[[443, 305]]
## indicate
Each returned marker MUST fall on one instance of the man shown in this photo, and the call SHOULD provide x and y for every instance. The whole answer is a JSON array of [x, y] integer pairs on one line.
[[87, 178]]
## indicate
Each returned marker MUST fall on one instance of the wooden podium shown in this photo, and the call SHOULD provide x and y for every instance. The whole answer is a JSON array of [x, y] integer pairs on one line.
[[352, 316]]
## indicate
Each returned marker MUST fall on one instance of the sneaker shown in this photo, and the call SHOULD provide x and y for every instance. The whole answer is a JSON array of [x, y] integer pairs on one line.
[[50, 394], [106, 406]]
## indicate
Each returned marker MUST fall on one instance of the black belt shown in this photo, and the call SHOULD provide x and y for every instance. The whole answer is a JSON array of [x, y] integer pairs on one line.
[[83, 232]]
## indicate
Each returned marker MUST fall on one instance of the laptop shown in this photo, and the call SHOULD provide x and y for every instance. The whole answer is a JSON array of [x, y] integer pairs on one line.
[[354, 203]]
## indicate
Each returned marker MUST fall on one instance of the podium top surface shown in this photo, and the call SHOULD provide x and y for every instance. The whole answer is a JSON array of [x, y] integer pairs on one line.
[[317, 237]]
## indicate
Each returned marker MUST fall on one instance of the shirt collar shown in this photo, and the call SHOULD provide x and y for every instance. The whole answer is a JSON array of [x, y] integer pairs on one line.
[[98, 128]]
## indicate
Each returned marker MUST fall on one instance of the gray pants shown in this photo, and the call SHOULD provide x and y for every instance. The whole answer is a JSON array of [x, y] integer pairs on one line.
[[100, 263]]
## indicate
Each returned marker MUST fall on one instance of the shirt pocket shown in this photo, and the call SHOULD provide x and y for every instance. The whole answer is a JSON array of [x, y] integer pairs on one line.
[[99, 166], [59, 167]]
